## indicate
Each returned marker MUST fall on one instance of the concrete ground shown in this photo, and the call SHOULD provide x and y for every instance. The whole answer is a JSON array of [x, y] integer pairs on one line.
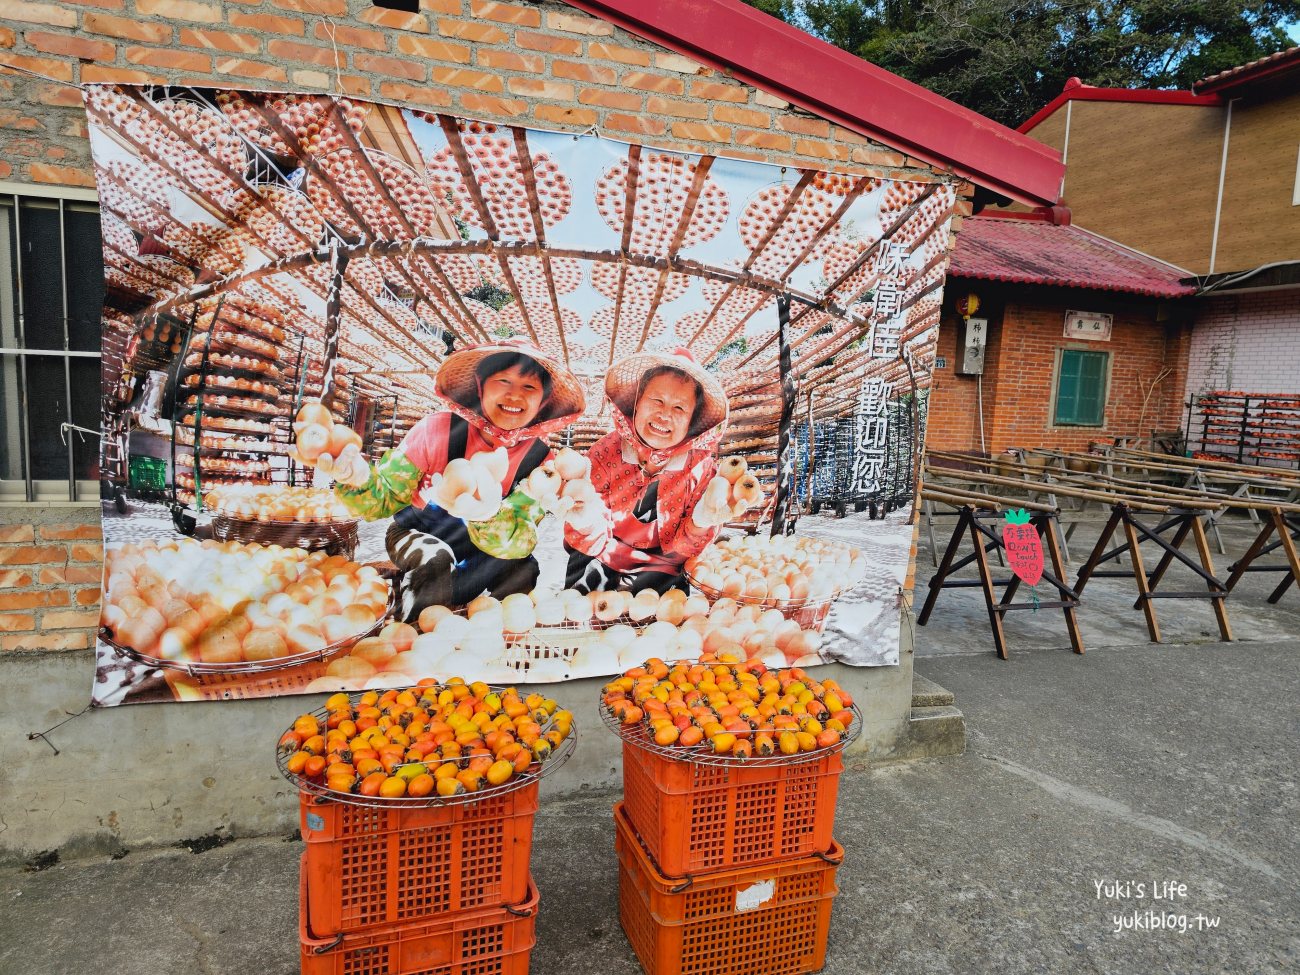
[[1089, 785]]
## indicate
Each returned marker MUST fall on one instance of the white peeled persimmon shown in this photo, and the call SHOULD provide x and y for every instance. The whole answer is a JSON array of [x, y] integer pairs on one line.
[[312, 441], [570, 464], [341, 437], [497, 463]]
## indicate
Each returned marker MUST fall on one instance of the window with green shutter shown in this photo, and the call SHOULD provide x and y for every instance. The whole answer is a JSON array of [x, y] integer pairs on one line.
[[1081, 388]]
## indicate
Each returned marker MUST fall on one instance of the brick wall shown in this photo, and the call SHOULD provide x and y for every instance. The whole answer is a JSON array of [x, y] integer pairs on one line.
[[49, 577], [1249, 342], [543, 64], [1024, 339], [953, 419]]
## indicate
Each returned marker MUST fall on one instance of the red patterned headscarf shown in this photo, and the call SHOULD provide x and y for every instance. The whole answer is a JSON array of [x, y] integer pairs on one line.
[[626, 381]]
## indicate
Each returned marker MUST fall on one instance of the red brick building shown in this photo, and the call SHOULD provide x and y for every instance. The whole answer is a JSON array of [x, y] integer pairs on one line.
[[1039, 386]]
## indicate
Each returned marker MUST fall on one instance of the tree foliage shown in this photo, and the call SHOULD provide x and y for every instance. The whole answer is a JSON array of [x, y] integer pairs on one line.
[[1008, 58]]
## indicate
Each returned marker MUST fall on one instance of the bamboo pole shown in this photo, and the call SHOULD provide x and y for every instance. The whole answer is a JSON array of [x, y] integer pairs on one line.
[[1071, 491], [960, 496]]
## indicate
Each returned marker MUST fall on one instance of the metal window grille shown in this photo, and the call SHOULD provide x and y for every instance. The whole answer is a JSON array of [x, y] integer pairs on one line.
[[51, 300]]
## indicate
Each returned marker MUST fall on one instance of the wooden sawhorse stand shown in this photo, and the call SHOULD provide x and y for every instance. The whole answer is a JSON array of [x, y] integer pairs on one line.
[[1287, 527], [1180, 521], [985, 538]]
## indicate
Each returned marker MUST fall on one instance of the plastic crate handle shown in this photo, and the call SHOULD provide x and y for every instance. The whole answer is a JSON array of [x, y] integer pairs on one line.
[[321, 949]]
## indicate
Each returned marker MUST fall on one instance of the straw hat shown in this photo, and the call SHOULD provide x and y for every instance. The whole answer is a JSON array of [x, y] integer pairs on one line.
[[456, 379], [624, 379]]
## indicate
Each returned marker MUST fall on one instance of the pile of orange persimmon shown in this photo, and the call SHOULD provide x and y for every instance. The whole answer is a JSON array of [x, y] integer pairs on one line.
[[435, 739], [723, 706]]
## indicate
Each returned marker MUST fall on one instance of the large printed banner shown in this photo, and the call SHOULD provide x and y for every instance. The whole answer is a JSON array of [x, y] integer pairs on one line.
[[390, 395]]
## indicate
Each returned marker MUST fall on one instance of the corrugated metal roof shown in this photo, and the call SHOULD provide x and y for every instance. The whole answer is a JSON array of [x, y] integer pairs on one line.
[[1036, 251]]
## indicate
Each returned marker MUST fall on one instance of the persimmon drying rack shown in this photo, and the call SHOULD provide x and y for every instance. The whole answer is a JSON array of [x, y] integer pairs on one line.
[[1236, 425], [821, 337], [1269, 497], [1094, 481]]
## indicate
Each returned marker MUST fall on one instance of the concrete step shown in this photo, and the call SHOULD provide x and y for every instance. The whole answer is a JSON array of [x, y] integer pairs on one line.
[[927, 694], [932, 732]]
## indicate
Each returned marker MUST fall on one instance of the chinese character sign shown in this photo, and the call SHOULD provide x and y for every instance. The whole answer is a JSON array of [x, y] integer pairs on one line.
[[887, 308], [872, 428]]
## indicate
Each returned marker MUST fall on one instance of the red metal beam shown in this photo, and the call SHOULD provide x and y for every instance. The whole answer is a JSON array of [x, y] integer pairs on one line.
[[759, 50]]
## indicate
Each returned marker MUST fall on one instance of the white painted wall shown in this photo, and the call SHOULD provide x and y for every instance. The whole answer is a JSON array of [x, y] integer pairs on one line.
[[1248, 342]]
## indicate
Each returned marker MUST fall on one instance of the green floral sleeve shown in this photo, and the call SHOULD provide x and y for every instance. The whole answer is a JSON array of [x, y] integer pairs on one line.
[[392, 486], [512, 532]]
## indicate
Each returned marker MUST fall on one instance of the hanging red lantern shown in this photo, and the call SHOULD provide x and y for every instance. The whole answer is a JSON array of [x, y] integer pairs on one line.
[[968, 304]]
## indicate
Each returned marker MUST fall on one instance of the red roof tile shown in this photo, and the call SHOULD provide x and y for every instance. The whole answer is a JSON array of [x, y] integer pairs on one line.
[[1250, 72], [1029, 249]]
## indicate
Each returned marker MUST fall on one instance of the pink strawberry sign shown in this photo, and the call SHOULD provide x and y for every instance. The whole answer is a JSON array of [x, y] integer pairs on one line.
[[1024, 547]]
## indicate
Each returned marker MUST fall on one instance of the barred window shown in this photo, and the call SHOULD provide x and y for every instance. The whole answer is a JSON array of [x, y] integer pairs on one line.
[[51, 299]]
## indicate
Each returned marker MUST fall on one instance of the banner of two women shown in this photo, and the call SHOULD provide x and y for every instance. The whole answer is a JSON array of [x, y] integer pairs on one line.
[[390, 395]]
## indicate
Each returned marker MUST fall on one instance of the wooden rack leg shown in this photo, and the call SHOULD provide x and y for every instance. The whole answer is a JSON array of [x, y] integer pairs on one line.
[[929, 527], [1253, 514], [1163, 565], [1084, 506], [1002, 561], [1054, 553], [1062, 542], [1288, 546], [1242, 564], [986, 583], [1098, 550], [1220, 610], [1140, 577], [1214, 527], [936, 581], [1011, 590]]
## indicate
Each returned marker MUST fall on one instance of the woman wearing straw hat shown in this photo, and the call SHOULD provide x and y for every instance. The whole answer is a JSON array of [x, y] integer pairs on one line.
[[502, 398], [657, 475]]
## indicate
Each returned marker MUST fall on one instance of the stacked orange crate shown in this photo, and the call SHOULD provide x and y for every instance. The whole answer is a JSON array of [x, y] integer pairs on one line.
[[772, 918], [408, 889], [726, 864], [405, 885]]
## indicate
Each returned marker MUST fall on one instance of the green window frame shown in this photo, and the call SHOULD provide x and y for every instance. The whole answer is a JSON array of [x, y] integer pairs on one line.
[[1081, 388]]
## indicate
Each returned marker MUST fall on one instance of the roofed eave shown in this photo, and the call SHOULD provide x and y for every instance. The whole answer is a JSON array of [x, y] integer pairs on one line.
[[758, 50]]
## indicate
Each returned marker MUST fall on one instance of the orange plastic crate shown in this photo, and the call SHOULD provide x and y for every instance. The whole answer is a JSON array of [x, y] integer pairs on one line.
[[370, 866], [694, 817], [487, 941], [772, 919]]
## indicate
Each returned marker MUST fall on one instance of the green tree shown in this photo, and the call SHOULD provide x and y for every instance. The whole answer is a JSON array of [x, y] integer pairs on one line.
[[1008, 58]]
